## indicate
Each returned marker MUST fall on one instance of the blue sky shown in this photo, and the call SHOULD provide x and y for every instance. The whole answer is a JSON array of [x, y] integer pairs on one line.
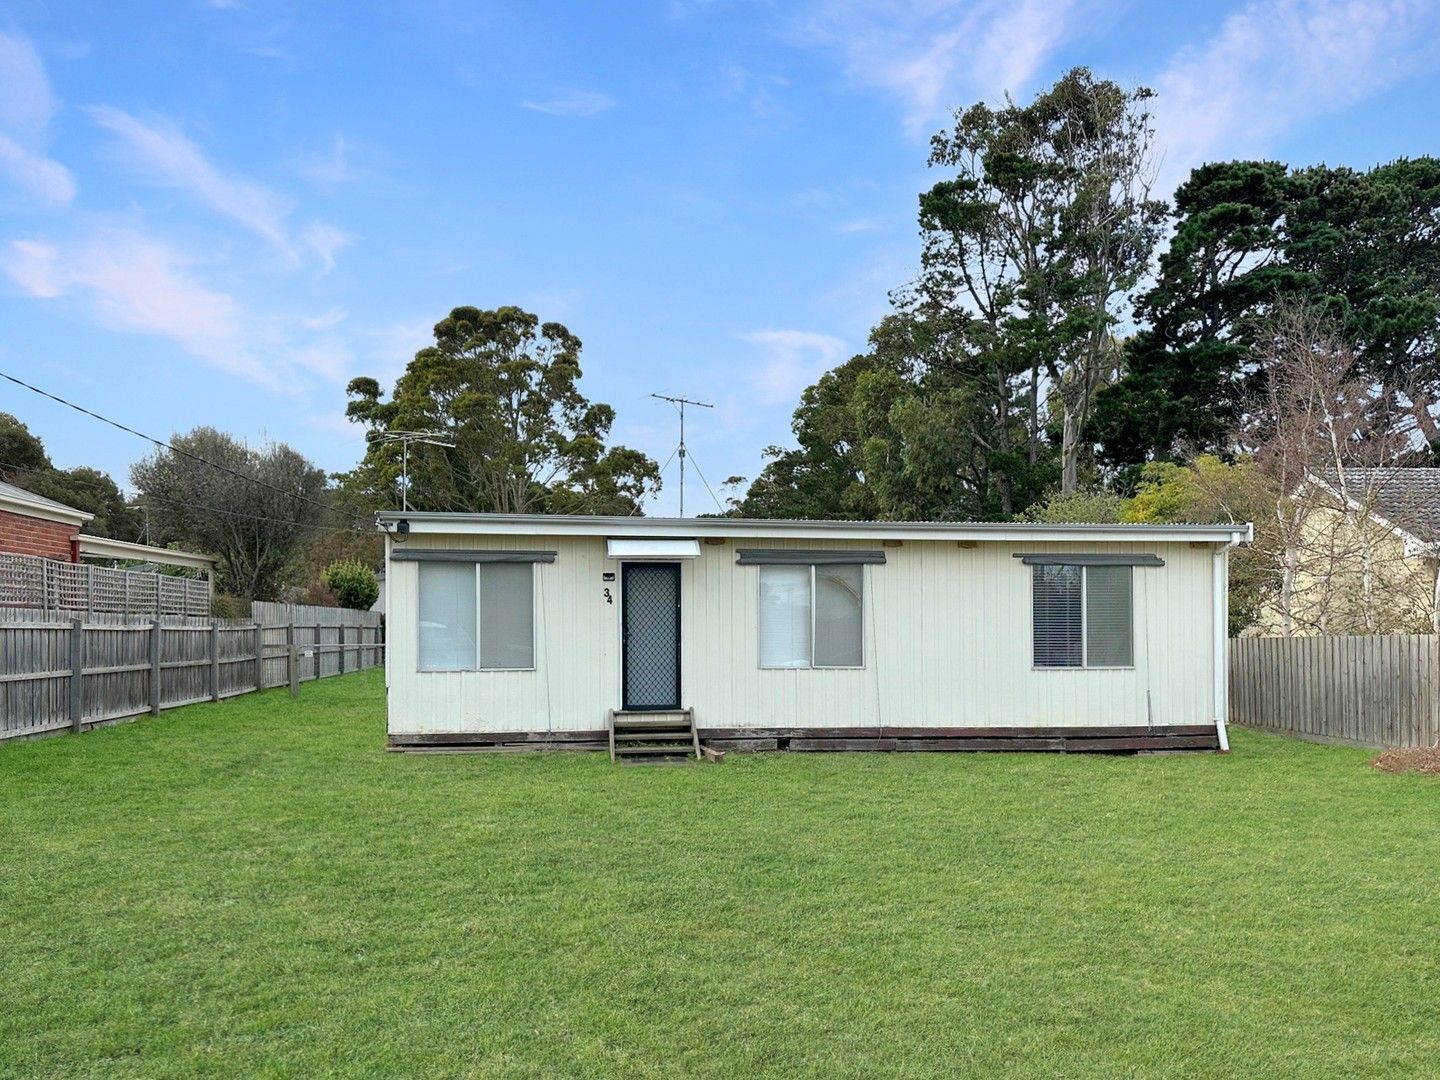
[[219, 212]]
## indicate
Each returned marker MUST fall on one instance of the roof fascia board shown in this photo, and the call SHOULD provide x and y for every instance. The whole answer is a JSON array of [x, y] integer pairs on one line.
[[44, 511], [736, 528]]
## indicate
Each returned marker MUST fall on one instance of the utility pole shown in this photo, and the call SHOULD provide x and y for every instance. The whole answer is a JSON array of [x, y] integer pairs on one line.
[[405, 438], [680, 403]]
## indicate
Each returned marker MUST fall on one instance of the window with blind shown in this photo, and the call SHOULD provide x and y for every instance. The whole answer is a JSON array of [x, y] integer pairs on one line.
[[812, 616], [1081, 616], [476, 617]]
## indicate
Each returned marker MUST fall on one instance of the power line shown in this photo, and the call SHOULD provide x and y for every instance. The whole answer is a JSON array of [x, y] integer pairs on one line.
[[140, 499], [174, 449], [143, 499]]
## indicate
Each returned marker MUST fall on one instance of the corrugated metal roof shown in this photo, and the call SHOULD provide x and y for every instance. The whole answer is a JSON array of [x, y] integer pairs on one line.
[[581, 525]]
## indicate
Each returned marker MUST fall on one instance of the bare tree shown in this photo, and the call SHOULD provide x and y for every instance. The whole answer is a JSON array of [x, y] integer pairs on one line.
[[1324, 443]]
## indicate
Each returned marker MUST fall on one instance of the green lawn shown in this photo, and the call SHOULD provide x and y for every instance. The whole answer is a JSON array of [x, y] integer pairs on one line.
[[256, 889]]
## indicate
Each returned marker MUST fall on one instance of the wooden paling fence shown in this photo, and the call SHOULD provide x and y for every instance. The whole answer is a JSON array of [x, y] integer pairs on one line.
[[1370, 691], [62, 672]]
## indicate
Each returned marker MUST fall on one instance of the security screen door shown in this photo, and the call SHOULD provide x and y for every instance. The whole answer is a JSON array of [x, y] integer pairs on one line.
[[650, 612]]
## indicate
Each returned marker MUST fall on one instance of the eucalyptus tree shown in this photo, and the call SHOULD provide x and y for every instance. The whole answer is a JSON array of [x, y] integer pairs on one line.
[[503, 389], [1036, 243]]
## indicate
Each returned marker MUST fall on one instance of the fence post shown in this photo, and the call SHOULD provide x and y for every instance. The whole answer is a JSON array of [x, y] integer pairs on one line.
[[259, 656], [342, 648], [214, 659], [292, 662], [77, 674], [90, 588], [315, 633], [155, 667]]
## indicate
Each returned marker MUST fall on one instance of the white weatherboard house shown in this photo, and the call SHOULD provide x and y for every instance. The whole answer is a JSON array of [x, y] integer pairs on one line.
[[522, 630]]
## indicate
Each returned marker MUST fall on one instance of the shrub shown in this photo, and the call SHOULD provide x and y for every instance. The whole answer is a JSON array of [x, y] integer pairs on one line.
[[223, 606], [353, 583]]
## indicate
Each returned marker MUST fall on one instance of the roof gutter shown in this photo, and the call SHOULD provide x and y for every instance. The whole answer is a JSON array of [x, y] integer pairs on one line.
[[420, 523], [45, 511]]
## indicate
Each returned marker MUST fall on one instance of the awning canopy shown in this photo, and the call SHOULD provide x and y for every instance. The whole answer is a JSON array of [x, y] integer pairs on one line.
[[1052, 558], [101, 547], [633, 550]]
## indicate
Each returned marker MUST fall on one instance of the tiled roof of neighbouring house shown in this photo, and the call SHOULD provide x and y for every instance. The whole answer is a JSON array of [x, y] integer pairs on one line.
[[1407, 498]]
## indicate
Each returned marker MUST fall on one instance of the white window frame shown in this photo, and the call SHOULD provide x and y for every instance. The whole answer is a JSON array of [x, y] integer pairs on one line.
[[534, 629], [1084, 664], [812, 666]]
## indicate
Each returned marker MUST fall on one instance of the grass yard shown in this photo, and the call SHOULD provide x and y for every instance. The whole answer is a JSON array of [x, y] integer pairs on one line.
[[255, 889]]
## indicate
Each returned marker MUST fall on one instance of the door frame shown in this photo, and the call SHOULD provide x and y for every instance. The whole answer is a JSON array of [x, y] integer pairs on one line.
[[625, 568]]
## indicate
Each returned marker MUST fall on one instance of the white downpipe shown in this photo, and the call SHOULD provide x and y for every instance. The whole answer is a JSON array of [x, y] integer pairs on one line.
[[1221, 578]]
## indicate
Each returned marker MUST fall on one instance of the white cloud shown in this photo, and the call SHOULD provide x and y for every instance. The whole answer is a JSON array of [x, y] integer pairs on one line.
[[137, 284], [394, 346], [131, 282], [1277, 64], [31, 265], [935, 55], [326, 241], [27, 106], [858, 225], [326, 320], [332, 169], [166, 156], [27, 103], [170, 159], [329, 358], [762, 93], [573, 103], [793, 360], [43, 178]]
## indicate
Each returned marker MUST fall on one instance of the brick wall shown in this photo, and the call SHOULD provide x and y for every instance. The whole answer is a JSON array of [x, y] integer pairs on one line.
[[32, 536]]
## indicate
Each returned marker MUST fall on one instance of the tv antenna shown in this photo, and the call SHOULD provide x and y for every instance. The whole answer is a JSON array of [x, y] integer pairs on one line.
[[680, 403], [405, 438]]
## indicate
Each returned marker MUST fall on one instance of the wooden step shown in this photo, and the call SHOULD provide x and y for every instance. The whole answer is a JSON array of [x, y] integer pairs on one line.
[[637, 723], [652, 735]]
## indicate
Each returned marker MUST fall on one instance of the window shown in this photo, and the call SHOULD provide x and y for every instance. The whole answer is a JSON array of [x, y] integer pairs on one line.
[[1081, 616], [811, 616], [476, 616]]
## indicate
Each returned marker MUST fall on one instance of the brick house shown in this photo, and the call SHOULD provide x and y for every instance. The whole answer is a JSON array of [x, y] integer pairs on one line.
[[34, 525]]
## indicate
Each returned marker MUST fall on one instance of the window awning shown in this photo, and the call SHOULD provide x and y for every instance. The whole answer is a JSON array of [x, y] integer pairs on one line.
[[793, 557], [1051, 558], [635, 550], [403, 554]]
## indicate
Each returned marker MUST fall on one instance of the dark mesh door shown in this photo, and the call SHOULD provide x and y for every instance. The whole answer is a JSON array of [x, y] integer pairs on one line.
[[651, 611]]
